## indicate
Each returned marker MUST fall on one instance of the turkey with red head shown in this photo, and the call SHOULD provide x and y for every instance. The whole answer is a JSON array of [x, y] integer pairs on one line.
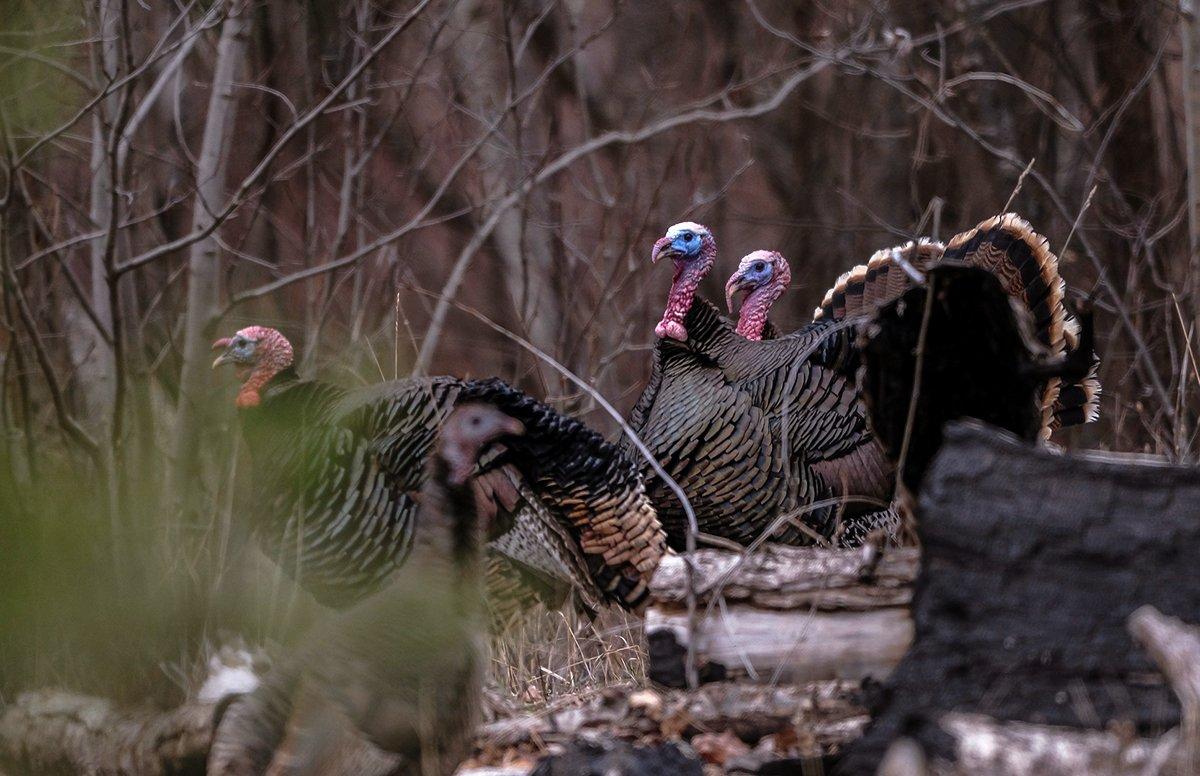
[[337, 473], [762, 277]]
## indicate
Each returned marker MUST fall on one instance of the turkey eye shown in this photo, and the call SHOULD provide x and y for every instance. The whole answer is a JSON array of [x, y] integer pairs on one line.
[[759, 266], [688, 236]]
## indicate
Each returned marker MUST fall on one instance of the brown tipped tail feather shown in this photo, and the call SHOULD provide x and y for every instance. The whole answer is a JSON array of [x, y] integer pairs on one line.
[[1009, 248]]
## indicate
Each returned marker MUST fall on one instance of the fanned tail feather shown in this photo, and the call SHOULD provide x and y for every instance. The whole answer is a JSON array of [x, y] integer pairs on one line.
[[866, 287], [1009, 248], [1078, 401]]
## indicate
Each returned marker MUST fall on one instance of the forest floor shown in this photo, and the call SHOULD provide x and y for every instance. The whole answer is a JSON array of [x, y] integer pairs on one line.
[[733, 727]]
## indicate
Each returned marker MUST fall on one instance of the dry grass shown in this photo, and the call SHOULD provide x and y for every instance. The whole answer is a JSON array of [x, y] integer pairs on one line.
[[552, 656]]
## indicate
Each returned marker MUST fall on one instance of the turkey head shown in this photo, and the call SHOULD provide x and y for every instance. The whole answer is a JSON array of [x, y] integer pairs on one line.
[[762, 276], [258, 353], [692, 249]]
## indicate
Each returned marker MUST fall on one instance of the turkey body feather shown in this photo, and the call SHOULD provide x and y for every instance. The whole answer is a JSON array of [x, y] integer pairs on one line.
[[338, 473], [740, 426]]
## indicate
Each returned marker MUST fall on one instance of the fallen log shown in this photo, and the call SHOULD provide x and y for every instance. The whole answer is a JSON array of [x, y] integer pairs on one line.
[[56, 731], [52, 731], [984, 746], [1032, 562], [783, 614]]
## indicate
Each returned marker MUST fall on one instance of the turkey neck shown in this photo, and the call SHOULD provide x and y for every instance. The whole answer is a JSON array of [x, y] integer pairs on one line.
[[755, 309], [686, 280], [291, 410], [448, 539]]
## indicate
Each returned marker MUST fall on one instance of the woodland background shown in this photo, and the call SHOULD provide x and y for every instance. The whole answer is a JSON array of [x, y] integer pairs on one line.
[[380, 180]]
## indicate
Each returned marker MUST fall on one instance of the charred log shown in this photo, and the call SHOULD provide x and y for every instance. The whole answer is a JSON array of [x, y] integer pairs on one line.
[[1032, 563]]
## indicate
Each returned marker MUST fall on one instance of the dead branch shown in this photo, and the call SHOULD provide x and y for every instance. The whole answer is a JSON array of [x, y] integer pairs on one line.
[[247, 185], [1175, 647]]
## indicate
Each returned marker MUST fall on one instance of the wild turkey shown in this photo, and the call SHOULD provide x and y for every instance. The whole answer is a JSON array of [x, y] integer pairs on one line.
[[337, 472], [738, 428], [391, 685], [714, 410]]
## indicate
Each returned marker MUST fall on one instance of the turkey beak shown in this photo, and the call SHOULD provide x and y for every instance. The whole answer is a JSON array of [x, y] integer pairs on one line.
[[221, 344], [662, 248], [737, 282]]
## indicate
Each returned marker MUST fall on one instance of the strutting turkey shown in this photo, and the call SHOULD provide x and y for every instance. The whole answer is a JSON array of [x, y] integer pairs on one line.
[[740, 424], [714, 409], [392, 684], [337, 473]]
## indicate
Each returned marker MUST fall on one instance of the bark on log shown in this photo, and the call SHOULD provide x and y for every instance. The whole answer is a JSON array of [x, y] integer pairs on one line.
[[987, 747], [52, 731], [786, 578], [1031, 564], [791, 614]]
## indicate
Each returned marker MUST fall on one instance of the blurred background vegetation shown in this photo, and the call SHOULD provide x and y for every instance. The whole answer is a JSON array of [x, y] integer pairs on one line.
[[174, 171]]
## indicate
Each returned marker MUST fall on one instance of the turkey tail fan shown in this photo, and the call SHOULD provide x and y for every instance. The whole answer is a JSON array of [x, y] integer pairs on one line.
[[1009, 248], [590, 481], [866, 287], [1079, 395], [1078, 401]]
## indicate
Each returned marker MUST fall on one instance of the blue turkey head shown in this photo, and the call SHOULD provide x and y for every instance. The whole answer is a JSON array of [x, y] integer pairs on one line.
[[684, 241]]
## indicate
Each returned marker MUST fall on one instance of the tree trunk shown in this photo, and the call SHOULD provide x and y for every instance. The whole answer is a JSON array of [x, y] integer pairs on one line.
[[1189, 33], [91, 356], [204, 266], [525, 247]]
